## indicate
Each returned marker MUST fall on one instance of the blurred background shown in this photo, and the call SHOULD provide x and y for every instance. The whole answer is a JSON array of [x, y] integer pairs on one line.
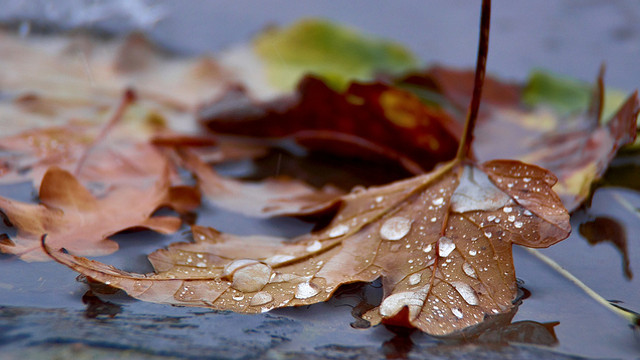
[[571, 37]]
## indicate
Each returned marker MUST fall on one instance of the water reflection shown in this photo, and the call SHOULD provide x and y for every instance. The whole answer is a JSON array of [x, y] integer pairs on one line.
[[604, 229], [97, 308], [494, 334]]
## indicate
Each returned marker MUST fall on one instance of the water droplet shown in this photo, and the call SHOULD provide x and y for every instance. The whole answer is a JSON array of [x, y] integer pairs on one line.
[[527, 212], [201, 264], [457, 313], [278, 259], [395, 228], [433, 219], [379, 199], [445, 246], [473, 252], [261, 298], [511, 218], [306, 290], [467, 292], [526, 179], [507, 209], [338, 230], [428, 248], [414, 279], [248, 275], [235, 265], [315, 246], [469, 270], [393, 303], [518, 224], [438, 201], [238, 296], [491, 217], [488, 234]]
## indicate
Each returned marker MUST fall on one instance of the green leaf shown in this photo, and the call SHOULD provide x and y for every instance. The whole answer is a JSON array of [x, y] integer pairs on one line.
[[566, 95], [334, 52]]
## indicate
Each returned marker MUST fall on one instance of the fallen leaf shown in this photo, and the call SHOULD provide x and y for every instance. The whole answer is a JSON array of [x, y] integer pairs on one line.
[[385, 122], [441, 243], [277, 58], [366, 120], [578, 151], [270, 197], [73, 218]]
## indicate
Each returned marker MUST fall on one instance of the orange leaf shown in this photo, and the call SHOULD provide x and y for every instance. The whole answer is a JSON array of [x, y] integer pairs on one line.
[[71, 217], [441, 243]]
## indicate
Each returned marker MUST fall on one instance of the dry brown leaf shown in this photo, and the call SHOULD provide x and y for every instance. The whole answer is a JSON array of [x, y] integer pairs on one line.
[[441, 243], [75, 219], [270, 197]]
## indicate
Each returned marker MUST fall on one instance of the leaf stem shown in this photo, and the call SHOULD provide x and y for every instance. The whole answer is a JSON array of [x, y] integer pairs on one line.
[[464, 149], [631, 316], [128, 98]]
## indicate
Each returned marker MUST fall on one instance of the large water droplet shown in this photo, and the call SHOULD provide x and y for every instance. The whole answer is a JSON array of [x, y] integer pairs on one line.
[[338, 230], [278, 259], [315, 246], [445, 246], [306, 290], [261, 298], [468, 294], [457, 313], [393, 303], [235, 265], [438, 201], [395, 228], [414, 279], [469, 270], [518, 224], [248, 275]]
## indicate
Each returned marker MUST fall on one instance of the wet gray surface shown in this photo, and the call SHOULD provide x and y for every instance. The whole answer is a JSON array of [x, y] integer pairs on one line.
[[42, 312]]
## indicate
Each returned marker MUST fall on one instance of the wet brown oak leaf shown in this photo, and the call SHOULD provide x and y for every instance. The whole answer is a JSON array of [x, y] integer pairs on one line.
[[73, 218], [440, 242]]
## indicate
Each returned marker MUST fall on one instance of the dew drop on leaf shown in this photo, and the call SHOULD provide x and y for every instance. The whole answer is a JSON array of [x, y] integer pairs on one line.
[[445, 246], [315, 246], [338, 230], [249, 275], [467, 292], [306, 290], [395, 228], [457, 313], [415, 279], [395, 302], [261, 298], [469, 270]]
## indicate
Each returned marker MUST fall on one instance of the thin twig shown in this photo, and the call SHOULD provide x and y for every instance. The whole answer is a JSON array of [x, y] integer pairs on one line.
[[631, 316], [464, 149]]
